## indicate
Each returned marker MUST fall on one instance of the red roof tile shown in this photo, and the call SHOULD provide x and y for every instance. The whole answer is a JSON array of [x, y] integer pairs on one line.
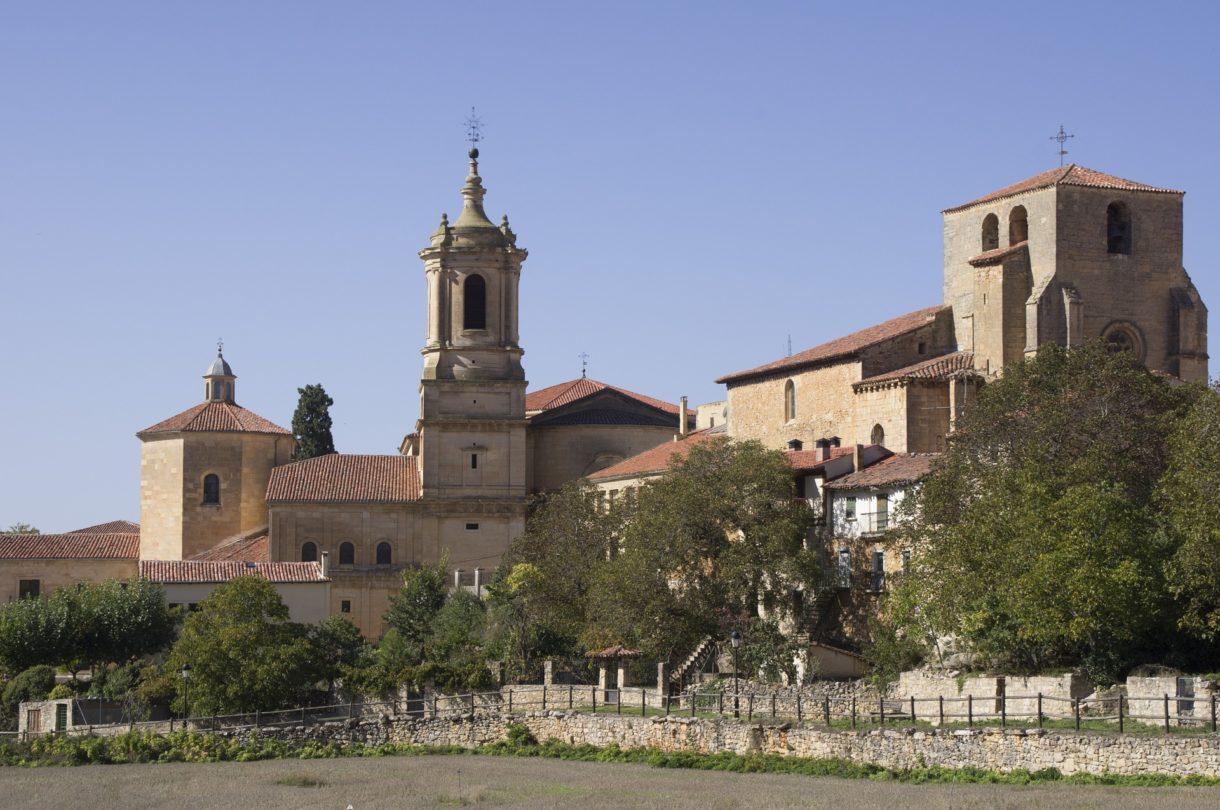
[[113, 527], [657, 460], [216, 416], [564, 393], [69, 546], [807, 460], [900, 468], [186, 571], [347, 479], [1070, 175], [998, 255], [938, 368], [248, 547], [843, 347]]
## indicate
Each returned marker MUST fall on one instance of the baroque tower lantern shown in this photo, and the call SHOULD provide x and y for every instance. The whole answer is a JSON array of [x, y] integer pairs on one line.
[[472, 440]]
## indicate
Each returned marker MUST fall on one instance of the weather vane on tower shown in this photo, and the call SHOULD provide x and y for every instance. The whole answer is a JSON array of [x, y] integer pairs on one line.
[[220, 345], [1061, 137], [584, 364], [474, 130]]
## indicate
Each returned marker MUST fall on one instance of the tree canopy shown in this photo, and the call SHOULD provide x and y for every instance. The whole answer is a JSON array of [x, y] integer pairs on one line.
[[311, 423], [1036, 537]]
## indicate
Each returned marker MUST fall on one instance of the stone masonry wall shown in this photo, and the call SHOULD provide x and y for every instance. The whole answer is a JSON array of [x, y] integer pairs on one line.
[[989, 748]]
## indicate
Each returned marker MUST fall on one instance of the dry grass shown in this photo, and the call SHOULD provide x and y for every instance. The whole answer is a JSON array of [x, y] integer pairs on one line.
[[432, 781]]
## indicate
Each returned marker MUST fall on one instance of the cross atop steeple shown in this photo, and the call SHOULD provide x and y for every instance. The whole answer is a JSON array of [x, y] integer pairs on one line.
[[1061, 137], [220, 346]]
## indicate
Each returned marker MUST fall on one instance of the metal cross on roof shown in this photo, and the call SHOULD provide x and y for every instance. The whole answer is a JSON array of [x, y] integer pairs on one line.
[[584, 364], [1061, 137], [474, 128], [220, 345]]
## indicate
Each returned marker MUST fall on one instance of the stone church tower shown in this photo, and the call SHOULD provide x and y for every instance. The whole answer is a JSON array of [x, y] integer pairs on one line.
[[204, 472], [472, 426]]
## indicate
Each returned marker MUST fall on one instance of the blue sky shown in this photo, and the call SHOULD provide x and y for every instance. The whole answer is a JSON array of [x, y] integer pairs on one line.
[[694, 181]]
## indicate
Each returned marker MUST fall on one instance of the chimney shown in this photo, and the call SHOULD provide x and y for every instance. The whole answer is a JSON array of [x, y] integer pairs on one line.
[[682, 416], [855, 456], [325, 563], [821, 450], [795, 444]]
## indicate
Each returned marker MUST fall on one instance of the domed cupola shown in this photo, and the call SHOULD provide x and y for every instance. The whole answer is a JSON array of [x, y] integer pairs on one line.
[[219, 382]]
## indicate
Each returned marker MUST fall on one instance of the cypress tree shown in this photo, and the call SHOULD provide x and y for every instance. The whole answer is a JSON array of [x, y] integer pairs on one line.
[[311, 423]]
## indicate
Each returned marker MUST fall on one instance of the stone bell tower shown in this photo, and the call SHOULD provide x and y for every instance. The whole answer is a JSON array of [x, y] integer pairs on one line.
[[472, 446]]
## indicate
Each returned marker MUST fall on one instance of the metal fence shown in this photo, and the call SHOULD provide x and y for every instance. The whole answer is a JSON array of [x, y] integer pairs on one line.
[[1164, 713]]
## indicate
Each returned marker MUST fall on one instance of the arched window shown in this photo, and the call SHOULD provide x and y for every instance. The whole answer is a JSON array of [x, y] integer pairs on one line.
[[1018, 225], [1124, 337], [1118, 229], [789, 401], [474, 303], [878, 436], [211, 488], [347, 554], [384, 554], [991, 232], [309, 552]]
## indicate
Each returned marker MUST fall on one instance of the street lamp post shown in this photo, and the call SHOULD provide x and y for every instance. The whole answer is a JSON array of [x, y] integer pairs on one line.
[[735, 640], [185, 672]]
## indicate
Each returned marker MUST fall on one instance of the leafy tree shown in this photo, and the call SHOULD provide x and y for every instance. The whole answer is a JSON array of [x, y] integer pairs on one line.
[[1190, 513], [244, 652], [414, 607], [454, 652], [311, 423], [34, 683], [701, 549], [21, 528], [337, 648], [92, 624], [1034, 538]]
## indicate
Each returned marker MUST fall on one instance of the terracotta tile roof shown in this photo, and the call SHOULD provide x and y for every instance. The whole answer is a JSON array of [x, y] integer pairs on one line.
[[185, 571], [338, 478], [657, 460], [900, 468], [806, 460], [998, 255], [113, 527], [216, 416], [844, 346], [937, 368], [1070, 175], [564, 393], [70, 546], [249, 547]]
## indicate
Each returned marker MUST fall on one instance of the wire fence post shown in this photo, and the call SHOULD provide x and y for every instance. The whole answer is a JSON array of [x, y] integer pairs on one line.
[[1166, 712], [853, 711], [643, 702], [798, 707], [668, 700], [1039, 710], [1120, 712], [472, 703], [970, 711], [750, 708], [618, 704], [772, 705], [1004, 708], [720, 702], [570, 689], [881, 705], [826, 709], [544, 697], [593, 695], [694, 699], [912, 708], [1213, 712], [1076, 705], [941, 708], [510, 701]]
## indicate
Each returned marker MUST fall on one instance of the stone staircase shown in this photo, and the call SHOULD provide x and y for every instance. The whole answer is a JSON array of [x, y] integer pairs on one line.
[[693, 662]]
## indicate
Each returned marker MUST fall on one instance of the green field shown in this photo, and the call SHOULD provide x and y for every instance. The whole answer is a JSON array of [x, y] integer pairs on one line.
[[435, 781]]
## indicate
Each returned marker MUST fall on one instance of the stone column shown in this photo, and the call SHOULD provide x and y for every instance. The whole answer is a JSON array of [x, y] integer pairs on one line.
[[602, 671], [662, 677], [548, 672], [622, 674]]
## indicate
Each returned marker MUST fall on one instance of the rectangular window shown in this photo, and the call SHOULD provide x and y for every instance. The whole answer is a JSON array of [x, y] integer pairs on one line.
[[474, 461], [878, 582], [849, 507], [29, 588], [883, 512], [472, 527], [345, 606]]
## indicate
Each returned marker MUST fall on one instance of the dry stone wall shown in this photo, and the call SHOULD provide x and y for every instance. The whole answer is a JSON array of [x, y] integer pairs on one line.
[[987, 748]]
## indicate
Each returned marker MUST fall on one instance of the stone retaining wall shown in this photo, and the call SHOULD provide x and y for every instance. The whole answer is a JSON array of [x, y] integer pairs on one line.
[[989, 748]]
